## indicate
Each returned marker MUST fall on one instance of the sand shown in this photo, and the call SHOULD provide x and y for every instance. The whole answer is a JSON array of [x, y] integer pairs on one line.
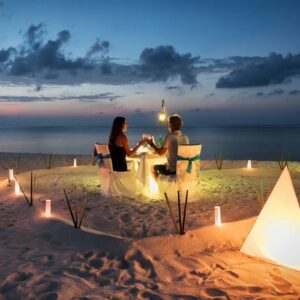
[[127, 247]]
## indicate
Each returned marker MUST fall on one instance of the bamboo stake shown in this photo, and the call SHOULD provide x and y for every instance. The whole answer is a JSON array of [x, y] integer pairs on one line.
[[184, 212], [179, 211], [70, 209], [171, 213]]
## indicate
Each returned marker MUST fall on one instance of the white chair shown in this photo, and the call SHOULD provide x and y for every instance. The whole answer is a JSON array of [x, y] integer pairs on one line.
[[114, 183], [187, 174]]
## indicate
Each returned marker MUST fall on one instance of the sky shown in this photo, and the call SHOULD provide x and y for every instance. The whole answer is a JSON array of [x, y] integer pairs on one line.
[[214, 62]]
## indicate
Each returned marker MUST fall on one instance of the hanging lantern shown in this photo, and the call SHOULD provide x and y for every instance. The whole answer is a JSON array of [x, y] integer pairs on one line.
[[162, 116]]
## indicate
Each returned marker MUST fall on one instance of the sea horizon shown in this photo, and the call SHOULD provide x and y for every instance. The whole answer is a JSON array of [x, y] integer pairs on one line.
[[257, 142]]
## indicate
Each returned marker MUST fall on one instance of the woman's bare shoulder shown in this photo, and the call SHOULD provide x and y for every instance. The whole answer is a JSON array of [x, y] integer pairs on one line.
[[121, 138]]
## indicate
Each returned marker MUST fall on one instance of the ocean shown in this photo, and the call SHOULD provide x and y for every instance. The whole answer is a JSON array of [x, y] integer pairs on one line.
[[252, 142]]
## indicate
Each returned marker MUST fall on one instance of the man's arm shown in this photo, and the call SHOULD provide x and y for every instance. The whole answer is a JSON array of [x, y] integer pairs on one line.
[[159, 150]]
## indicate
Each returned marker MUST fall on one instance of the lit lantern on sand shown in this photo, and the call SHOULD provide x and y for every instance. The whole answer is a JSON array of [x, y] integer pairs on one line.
[[48, 208], [249, 166], [75, 163], [11, 174], [218, 216], [162, 116], [17, 188]]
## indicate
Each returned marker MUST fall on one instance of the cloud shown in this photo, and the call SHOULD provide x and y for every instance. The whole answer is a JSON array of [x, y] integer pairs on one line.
[[231, 62], [84, 98], [273, 69], [174, 87], [294, 92], [210, 95], [46, 61], [34, 35], [43, 60], [38, 88], [5, 54], [163, 63], [98, 47], [138, 110], [24, 99], [93, 98], [276, 92]]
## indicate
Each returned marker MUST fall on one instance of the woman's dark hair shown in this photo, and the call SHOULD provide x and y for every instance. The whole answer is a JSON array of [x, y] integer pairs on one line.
[[116, 129]]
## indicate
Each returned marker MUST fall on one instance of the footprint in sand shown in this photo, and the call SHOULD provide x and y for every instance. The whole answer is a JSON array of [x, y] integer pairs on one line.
[[12, 281], [48, 296], [125, 218], [142, 264], [214, 292], [45, 286], [233, 274], [122, 263], [96, 262], [279, 282]]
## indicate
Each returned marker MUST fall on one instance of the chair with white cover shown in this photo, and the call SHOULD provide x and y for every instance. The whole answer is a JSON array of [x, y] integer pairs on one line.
[[114, 183], [187, 174]]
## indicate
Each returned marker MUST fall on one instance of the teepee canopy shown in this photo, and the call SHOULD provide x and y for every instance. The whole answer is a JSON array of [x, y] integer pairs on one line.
[[275, 235]]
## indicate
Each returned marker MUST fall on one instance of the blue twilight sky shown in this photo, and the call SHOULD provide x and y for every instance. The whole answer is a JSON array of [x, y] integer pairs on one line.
[[214, 62]]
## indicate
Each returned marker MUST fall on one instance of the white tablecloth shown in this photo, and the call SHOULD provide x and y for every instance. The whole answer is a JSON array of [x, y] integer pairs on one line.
[[146, 161]]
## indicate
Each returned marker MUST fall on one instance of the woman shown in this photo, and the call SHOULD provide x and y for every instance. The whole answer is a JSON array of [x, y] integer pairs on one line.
[[118, 144]]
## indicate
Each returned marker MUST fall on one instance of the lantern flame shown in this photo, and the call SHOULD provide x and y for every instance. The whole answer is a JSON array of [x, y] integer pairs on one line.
[[162, 117]]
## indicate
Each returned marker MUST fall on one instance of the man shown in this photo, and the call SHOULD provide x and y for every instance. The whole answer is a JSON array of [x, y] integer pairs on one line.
[[170, 146]]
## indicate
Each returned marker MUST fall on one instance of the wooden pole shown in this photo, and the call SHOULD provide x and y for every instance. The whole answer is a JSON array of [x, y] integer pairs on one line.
[[184, 212], [171, 213]]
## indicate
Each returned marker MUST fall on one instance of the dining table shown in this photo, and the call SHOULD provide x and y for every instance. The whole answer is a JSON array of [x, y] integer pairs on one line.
[[143, 164]]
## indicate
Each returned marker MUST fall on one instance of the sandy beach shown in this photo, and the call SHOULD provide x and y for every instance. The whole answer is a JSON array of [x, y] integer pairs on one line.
[[127, 247]]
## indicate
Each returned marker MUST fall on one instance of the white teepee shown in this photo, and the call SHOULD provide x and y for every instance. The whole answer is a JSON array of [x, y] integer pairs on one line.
[[275, 235]]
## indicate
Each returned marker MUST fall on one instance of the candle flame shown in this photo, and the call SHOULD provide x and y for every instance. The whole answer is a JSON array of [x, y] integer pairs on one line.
[[153, 187]]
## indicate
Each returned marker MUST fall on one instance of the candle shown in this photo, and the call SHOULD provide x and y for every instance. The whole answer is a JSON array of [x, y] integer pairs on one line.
[[48, 208], [218, 216], [75, 162], [249, 164], [17, 188], [11, 174]]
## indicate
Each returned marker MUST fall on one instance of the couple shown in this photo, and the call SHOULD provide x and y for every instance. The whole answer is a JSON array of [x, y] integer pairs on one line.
[[119, 146]]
